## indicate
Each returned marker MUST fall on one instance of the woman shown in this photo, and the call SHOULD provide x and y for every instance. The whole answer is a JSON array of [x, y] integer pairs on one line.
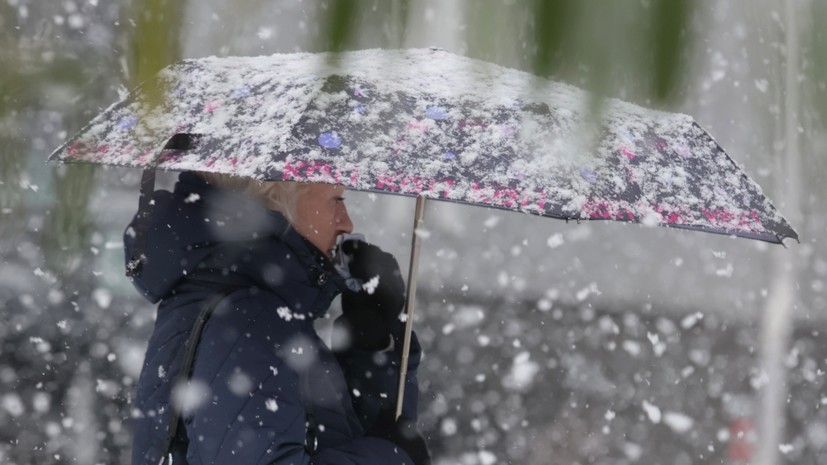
[[265, 389]]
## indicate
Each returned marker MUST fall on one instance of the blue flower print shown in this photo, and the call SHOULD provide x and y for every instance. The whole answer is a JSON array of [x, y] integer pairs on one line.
[[330, 140], [436, 113]]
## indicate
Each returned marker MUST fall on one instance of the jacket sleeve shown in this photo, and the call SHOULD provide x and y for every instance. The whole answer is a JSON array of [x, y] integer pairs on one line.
[[373, 379], [247, 397]]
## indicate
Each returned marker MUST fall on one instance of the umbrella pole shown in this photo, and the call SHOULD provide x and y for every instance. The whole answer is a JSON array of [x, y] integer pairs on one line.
[[416, 241]]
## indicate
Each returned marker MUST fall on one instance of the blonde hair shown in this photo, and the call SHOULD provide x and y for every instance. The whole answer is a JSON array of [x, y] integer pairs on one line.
[[280, 196], [225, 181]]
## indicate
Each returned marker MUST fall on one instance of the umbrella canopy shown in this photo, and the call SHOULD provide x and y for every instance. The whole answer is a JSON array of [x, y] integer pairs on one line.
[[432, 123]]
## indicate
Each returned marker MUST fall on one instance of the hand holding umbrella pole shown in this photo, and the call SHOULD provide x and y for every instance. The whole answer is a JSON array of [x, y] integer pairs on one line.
[[416, 242]]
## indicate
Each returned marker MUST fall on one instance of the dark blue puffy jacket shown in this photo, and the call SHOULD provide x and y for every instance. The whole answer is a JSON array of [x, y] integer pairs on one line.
[[265, 388]]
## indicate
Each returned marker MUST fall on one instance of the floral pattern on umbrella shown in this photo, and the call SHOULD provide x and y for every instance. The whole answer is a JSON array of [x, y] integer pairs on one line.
[[428, 122]]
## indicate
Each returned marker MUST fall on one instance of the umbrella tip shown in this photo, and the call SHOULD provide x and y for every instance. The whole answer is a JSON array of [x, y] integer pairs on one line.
[[788, 240]]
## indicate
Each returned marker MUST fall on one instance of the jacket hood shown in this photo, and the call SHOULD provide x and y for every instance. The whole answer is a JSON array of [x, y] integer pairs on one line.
[[194, 221]]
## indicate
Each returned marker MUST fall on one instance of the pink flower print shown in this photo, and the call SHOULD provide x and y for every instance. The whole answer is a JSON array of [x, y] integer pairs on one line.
[[417, 126], [628, 153], [464, 124], [76, 150]]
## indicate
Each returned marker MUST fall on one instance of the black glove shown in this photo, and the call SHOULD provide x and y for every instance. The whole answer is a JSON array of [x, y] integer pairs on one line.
[[404, 434], [370, 318]]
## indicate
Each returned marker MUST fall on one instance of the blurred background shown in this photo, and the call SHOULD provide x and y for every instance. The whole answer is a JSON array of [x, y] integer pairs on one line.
[[545, 341]]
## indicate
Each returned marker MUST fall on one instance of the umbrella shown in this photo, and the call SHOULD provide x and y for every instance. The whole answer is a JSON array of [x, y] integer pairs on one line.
[[430, 124]]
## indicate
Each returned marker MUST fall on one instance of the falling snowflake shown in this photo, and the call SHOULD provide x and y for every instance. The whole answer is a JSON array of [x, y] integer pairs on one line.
[[271, 405], [555, 240], [652, 411], [264, 33], [678, 422], [370, 286], [287, 315], [690, 320]]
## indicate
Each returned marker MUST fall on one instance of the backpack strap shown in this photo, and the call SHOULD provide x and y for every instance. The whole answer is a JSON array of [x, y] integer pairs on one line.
[[186, 368]]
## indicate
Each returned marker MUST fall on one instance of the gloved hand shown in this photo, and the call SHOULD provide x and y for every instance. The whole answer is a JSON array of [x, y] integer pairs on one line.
[[404, 434], [371, 314]]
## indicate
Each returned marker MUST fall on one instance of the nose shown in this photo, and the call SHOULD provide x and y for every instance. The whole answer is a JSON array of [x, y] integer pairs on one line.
[[343, 223]]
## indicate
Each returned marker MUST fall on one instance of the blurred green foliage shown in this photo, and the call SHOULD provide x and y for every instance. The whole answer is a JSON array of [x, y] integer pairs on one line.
[[154, 42], [592, 43], [553, 33], [346, 21], [11, 145], [151, 44], [23, 83], [670, 21], [341, 23], [68, 226], [605, 45]]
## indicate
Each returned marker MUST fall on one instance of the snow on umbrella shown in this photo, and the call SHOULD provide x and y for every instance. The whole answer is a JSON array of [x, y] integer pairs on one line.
[[430, 124]]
